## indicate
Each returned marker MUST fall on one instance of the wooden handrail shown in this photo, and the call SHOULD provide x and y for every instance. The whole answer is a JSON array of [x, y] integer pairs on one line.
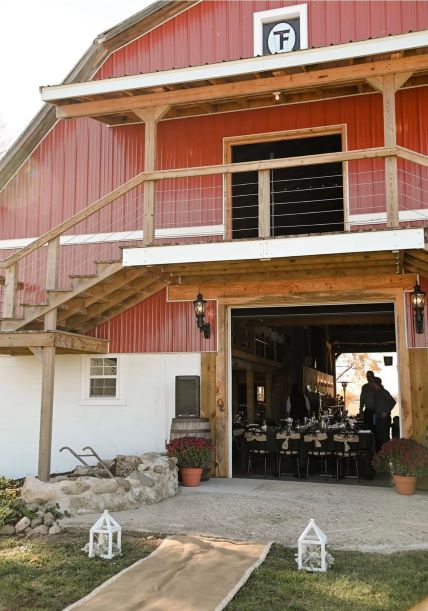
[[409, 155], [234, 168]]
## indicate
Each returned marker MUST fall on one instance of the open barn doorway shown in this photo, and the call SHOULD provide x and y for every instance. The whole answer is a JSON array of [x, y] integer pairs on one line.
[[323, 351], [303, 200]]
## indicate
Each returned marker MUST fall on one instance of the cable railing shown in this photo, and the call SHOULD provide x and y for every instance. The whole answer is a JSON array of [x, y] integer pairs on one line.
[[328, 193]]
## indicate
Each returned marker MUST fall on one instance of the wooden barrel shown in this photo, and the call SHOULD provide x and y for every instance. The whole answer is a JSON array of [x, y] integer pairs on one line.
[[192, 427]]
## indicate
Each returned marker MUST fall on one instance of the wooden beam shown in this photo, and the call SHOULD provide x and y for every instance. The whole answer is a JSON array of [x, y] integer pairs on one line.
[[46, 413], [52, 275], [310, 79], [208, 392], [150, 116], [412, 156], [390, 139], [251, 412], [255, 359], [405, 396], [71, 342], [268, 394], [283, 288], [38, 352], [418, 362], [264, 204], [221, 393]]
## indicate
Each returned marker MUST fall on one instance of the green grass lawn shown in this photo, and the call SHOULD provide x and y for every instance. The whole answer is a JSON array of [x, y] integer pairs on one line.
[[50, 573]]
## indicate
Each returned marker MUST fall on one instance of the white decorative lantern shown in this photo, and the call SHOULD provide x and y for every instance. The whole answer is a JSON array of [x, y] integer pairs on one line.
[[311, 553], [101, 537]]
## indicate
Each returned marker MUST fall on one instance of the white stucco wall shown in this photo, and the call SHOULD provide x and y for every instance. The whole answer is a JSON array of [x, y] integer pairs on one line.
[[139, 422]]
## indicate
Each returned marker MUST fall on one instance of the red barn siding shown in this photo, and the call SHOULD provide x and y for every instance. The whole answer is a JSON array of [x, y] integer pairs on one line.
[[223, 30], [154, 325], [81, 160]]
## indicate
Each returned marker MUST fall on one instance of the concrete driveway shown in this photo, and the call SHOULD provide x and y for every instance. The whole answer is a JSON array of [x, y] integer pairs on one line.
[[358, 517]]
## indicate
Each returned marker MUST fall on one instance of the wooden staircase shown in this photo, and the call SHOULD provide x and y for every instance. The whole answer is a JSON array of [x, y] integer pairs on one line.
[[91, 300]]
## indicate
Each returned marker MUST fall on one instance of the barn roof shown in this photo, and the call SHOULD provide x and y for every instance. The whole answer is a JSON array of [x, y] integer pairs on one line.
[[106, 43]]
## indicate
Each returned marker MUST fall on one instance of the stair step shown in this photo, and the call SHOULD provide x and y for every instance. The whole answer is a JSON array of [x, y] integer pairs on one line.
[[10, 324]]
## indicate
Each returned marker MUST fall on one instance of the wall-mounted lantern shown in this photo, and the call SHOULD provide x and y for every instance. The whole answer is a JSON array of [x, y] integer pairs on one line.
[[418, 303], [200, 304]]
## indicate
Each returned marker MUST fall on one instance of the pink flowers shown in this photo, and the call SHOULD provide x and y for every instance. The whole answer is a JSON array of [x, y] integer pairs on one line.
[[402, 457], [191, 451]]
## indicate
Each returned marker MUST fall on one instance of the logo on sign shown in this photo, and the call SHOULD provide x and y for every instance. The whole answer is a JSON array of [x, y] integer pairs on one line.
[[281, 38]]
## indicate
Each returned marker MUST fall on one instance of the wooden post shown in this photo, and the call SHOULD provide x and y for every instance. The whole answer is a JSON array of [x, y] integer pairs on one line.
[[208, 395], [251, 412], [405, 397], [418, 358], [264, 203], [52, 275], [150, 116], [10, 291], [268, 394], [221, 393], [46, 413], [390, 139]]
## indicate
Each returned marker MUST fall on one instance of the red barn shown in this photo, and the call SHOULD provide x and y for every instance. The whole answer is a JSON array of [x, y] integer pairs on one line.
[[271, 156]]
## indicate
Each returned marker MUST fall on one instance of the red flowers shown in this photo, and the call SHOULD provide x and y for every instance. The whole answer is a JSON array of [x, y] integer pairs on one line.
[[402, 457], [191, 451]]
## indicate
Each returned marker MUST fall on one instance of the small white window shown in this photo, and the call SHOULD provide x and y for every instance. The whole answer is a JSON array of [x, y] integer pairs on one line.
[[103, 377], [102, 382], [281, 30]]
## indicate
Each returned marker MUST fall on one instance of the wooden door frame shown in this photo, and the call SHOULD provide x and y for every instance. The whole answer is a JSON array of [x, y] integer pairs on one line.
[[305, 132], [396, 297]]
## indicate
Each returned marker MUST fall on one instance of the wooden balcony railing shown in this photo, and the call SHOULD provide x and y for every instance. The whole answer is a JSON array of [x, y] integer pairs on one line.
[[51, 238]]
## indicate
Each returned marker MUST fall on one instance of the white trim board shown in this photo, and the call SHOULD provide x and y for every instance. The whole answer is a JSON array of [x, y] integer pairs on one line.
[[319, 55], [372, 241], [121, 236]]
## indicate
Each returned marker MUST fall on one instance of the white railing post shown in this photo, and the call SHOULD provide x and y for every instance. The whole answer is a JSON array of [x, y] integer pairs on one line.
[[52, 275], [10, 291]]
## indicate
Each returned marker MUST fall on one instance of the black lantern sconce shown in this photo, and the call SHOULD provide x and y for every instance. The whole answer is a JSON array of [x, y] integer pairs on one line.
[[418, 303], [199, 304]]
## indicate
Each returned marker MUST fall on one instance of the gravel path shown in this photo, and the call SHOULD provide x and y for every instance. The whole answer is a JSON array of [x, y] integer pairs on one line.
[[357, 517]]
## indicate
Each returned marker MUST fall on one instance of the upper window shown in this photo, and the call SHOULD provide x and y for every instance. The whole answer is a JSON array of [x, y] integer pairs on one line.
[[103, 377], [281, 30]]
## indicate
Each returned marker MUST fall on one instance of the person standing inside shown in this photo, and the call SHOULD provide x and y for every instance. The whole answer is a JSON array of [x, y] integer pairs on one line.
[[298, 406], [383, 405], [367, 402]]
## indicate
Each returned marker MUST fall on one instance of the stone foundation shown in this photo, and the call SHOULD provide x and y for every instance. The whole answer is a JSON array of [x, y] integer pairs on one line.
[[150, 478]]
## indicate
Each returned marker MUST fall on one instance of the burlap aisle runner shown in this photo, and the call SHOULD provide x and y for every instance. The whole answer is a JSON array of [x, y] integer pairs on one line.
[[185, 573]]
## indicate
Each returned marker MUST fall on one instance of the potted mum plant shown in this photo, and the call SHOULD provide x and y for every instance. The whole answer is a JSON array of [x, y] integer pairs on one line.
[[193, 454], [406, 460]]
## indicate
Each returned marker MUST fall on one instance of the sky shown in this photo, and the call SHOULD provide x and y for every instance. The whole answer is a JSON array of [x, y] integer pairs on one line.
[[41, 41]]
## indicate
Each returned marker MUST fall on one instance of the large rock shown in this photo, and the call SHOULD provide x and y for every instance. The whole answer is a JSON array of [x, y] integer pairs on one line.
[[22, 525], [100, 486], [75, 487], [125, 465], [7, 530], [39, 531], [55, 529], [35, 492], [49, 519], [36, 522]]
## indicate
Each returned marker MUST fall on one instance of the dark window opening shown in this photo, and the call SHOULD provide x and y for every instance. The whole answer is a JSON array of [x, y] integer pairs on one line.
[[303, 200]]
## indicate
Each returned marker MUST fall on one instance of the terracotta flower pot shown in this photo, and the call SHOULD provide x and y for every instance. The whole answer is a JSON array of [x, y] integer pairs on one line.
[[190, 476], [405, 484]]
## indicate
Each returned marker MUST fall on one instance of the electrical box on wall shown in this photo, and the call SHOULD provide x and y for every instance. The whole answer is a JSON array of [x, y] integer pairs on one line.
[[187, 396]]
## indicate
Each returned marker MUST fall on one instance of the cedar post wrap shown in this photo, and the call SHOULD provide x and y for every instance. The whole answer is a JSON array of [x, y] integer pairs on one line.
[[46, 412], [150, 116], [387, 85]]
